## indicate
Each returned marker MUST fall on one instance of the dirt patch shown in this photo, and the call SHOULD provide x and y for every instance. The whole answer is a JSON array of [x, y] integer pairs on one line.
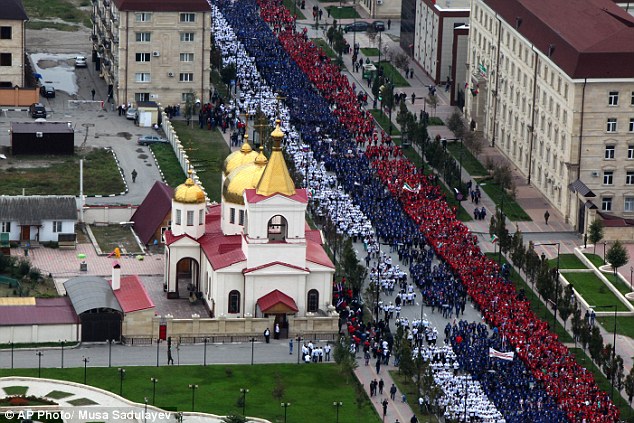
[[126, 135], [142, 156]]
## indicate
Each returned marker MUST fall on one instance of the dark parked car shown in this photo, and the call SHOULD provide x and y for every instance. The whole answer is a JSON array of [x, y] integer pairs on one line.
[[378, 26], [150, 139], [37, 110], [47, 91], [356, 27]]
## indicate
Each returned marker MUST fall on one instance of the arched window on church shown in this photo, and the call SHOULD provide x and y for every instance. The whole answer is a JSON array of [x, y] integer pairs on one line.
[[312, 301], [234, 302], [277, 228]]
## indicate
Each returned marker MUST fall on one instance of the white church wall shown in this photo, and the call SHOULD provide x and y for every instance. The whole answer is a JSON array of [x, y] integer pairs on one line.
[[260, 254]]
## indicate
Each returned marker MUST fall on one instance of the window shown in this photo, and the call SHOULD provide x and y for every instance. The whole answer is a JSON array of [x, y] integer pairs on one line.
[[5, 226], [143, 37], [178, 216], [143, 17], [613, 98], [142, 77], [629, 178], [609, 152], [186, 77], [241, 218], [630, 152], [185, 97], [187, 57], [187, 37], [5, 59], [232, 215], [188, 17], [142, 57], [141, 97], [312, 303], [606, 204], [201, 217], [629, 204], [234, 302], [5, 33], [190, 218], [631, 128], [611, 127], [632, 99], [57, 226], [608, 177]]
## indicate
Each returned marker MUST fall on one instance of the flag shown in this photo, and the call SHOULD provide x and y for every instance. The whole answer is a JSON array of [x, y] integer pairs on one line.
[[407, 187], [494, 239], [507, 356]]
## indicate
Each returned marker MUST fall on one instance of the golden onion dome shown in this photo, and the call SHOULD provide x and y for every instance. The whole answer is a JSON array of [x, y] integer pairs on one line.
[[189, 192], [240, 157], [244, 177], [276, 178]]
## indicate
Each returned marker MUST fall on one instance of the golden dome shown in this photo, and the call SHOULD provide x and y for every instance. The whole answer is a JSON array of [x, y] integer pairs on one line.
[[276, 179], [189, 192], [240, 157], [244, 177]]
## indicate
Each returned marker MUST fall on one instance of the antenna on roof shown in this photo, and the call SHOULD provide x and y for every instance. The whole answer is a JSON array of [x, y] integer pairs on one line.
[[551, 49]]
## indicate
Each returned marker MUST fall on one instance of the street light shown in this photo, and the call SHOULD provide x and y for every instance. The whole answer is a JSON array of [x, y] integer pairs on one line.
[[39, 363], [604, 244], [337, 404], [121, 376], [299, 347], [613, 347], [154, 382], [62, 344], [110, 341], [193, 388], [631, 273], [244, 392], [252, 340], [285, 405], [205, 351], [85, 360]]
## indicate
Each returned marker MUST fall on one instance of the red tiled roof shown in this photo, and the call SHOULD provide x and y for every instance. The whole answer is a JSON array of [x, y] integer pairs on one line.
[[132, 295], [222, 250], [252, 197], [589, 38], [46, 311], [313, 235], [611, 221], [156, 205], [163, 5], [315, 253], [275, 297], [273, 263]]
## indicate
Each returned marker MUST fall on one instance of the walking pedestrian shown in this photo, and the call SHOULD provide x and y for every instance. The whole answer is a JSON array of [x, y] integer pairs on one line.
[[267, 335], [290, 346], [134, 175], [546, 216], [378, 365], [413, 97], [393, 392], [381, 385], [276, 331], [384, 404], [389, 24], [93, 93], [170, 359]]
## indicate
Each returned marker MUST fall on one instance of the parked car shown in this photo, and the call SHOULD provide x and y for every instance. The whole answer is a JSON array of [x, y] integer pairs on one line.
[[47, 91], [131, 113], [80, 62], [150, 139], [378, 26], [37, 110], [359, 26]]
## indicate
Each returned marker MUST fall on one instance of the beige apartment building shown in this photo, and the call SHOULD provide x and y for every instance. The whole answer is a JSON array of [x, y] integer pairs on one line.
[[12, 19], [551, 85], [148, 50]]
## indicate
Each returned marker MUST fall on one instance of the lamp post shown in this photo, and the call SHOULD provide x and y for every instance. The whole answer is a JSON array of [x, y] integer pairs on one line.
[[612, 379], [252, 340], [121, 376], [154, 382], [85, 360], [145, 413], [193, 388], [158, 343], [631, 273], [110, 352], [12, 347], [604, 244], [39, 363], [299, 347], [338, 405], [62, 344], [244, 392], [285, 405], [205, 351]]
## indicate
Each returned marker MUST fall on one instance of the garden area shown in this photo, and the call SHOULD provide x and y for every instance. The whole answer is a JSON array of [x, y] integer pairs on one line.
[[19, 279], [168, 163], [109, 237]]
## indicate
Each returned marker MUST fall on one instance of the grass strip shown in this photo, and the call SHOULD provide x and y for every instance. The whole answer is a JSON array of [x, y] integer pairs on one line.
[[295, 9], [168, 162], [512, 210], [323, 44], [567, 261], [342, 12], [469, 162], [384, 122], [393, 74], [370, 51], [592, 289]]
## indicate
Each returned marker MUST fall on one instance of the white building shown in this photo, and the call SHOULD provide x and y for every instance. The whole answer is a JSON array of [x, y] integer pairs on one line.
[[37, 218], [253, 255]]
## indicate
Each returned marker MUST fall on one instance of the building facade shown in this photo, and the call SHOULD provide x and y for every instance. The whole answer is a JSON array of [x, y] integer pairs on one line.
[[557, 99], [153, 51], [12, 19]]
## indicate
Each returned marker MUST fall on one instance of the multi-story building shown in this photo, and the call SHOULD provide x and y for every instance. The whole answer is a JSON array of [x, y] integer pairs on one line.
[[552, 87], [150, 50], [435, 34], [12, 19]]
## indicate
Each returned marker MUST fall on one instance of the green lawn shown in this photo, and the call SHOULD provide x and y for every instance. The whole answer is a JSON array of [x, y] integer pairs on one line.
[[207, 151], [511, 209], [345, 12], [323, 44], [52, 10], [408, 386], [294, 9], [370, 51], [384, 121], [567, 261], [469, 162], [311, 389], [167, 161], [595, 259], [592, 289], [435, 121], [622, 287], [393, 74], [624, 325]]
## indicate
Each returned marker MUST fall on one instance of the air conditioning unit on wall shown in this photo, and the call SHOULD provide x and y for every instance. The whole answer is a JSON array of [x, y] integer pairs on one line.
[[595, 173], [156, 53], [170, 74]]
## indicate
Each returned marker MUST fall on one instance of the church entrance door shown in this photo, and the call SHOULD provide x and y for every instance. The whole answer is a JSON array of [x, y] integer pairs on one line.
[[280, 319]]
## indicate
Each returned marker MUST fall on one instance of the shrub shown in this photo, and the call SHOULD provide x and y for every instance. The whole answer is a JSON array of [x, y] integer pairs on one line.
[[24, 267]]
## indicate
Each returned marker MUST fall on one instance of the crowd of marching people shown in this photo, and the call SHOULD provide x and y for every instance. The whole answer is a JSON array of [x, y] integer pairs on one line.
[[323, 107]]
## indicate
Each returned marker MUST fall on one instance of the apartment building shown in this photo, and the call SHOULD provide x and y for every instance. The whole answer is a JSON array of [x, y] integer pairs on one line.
[[149, 50], [12, 19], [435, 34], [551, 85]]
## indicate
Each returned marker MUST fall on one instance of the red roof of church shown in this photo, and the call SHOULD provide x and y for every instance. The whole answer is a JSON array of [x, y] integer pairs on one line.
[[253, 197], [273, 263], [315, 253], [275, 297], [132, 295], [156, 205]]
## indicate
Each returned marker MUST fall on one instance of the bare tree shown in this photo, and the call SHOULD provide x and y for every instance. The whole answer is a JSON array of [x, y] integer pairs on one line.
[[474, 142], [401, 61], [432, 101]]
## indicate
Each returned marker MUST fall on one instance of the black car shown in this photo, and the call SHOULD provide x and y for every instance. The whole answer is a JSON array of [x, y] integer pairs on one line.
[[37, 110], [378, 26], [47, 91], [356, 27]]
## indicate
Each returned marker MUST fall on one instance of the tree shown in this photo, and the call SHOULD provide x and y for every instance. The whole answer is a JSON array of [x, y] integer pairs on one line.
[[565, 305], [401, 61], [595, 344], [595, 233], [617, 256], [344, 358], [190, 105], [474, 142], [518, 251], [629, 386], [432, 101], [456, 124], [406, 363]]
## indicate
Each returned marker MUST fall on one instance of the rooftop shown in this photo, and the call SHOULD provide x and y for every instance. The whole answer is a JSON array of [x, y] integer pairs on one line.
[[162, 6]]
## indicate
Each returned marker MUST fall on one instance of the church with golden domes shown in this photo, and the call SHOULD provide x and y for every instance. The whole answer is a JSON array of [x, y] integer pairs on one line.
[[253, 255]]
